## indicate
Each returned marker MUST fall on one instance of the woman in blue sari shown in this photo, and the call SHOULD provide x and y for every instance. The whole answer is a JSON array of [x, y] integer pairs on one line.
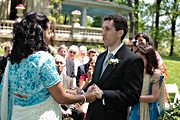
[[151, 101], [34, 86]]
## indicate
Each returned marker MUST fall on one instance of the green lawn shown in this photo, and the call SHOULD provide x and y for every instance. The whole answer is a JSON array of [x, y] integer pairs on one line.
[[173, 70]]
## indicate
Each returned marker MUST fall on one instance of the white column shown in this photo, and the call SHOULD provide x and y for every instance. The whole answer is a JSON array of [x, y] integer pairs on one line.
[[84, 16]]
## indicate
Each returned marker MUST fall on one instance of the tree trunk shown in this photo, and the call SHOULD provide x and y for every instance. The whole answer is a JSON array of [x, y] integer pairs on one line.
[[5, 9], [136, 12], [131, 17], [173, 26], [158, 2], [172, 37]]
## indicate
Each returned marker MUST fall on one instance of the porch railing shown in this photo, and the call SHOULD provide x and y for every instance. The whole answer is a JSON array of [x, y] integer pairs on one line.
[[61, 32]]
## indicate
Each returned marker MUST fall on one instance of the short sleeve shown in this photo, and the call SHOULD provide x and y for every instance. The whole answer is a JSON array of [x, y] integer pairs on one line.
[[48, 73], [156, 76]]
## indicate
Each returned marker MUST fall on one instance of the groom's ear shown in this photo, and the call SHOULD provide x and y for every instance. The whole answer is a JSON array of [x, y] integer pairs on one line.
[[120, 33]]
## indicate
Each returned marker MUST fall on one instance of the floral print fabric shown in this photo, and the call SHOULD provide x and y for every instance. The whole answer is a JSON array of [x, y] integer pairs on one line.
[[31, 78]]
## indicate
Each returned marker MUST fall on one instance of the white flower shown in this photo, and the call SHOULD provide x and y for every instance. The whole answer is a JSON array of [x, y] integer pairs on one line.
[[113, 61]]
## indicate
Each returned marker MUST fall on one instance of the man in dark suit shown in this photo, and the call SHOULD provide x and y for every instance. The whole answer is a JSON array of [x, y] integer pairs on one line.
[[120, 84], [3, 60]]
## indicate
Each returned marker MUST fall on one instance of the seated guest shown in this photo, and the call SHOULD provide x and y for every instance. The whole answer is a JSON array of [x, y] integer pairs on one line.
[[92, 52], [72, 61], [83, 69], [83, 58], [3, 60], [86, 78], [62, 50], [68, 84]]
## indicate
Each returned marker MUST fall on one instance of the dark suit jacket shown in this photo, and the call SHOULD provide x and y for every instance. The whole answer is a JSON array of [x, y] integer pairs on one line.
[[121, 85], [82, 69], [3, 62]]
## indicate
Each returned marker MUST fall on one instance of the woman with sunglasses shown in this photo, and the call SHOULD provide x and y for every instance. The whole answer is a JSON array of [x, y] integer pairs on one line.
[[72, 61]]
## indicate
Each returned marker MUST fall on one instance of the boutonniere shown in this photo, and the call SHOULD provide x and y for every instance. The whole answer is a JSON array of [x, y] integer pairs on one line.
[[113, 62]]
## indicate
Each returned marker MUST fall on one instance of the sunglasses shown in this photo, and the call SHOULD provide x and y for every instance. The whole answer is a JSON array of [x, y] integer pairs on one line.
[[59, 62], [72, 52]]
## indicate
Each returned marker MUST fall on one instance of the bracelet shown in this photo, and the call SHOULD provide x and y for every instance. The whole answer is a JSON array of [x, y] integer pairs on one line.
[[82, 102], [88, 81]]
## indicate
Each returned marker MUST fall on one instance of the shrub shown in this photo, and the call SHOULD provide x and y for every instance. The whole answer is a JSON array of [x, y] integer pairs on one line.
[[173, 113]]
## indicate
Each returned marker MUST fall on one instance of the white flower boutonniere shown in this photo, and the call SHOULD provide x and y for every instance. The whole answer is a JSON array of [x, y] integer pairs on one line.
[[113, 62]]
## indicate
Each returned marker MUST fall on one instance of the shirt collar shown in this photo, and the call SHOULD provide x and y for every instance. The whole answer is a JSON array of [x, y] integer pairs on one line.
[[115, 50]]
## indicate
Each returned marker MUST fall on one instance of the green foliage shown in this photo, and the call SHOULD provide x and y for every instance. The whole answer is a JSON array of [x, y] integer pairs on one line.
[[164, 45], [146, 20], [173, 68], [55, 10], [88, 21], [96, 22], [124, 2], [173, 113]]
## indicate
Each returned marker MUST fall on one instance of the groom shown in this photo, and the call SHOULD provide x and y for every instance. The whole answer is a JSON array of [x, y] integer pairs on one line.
[[120, 83]]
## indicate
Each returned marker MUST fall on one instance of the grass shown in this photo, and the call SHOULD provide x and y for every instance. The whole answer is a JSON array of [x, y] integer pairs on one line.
[[173, 70]]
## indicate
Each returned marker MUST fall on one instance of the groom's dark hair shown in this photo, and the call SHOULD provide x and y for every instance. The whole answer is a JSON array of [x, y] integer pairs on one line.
[[120, 23]]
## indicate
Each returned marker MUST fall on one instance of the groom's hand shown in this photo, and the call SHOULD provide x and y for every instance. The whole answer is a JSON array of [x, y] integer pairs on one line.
[[97, 91], [90, 95]]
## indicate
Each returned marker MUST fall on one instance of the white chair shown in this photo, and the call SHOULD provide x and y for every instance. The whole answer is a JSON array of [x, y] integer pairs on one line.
[[172, 88]]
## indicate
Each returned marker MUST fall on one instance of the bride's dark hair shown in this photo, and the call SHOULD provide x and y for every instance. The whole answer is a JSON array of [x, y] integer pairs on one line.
[[28, 36]]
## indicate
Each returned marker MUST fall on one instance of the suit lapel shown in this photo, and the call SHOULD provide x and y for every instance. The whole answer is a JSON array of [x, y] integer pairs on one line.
[[98, 69], [110, 69]]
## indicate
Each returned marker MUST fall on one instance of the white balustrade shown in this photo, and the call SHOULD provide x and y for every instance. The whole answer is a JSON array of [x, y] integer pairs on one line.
[[6, 27], [62, 32]]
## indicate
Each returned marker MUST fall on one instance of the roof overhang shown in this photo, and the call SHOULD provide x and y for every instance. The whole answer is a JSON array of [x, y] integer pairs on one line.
[[95, 8]]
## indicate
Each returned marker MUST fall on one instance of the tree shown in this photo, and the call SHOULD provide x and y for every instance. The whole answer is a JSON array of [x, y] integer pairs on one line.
[[55, 10], [172, 13], [136, 12], [131, 17], [158, 2], [4, 9], [96, 22], [174, 16]]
